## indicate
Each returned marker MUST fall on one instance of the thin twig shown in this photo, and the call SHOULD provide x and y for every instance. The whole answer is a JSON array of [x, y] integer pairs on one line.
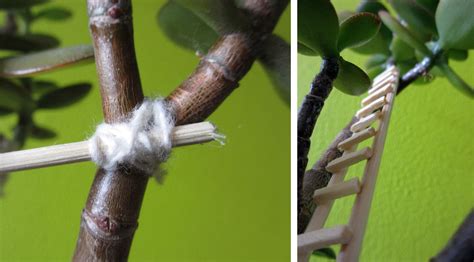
[[79, 151]]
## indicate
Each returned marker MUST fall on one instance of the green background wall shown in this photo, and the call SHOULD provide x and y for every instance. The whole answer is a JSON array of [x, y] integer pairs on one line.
[[425, 186], [217, 202]]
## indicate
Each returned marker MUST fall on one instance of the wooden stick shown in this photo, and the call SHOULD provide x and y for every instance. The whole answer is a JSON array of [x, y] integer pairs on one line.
[[321, 213], [339, 190], [313, 240], [356, 138], [365, 122], [368, 109], [383, 83], [349, 159], [381, 92], [389, 71], [77, 152], [361, 208]]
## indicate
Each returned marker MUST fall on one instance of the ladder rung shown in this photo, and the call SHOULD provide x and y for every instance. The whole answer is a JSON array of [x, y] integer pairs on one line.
[[365, 122], [349, 159], [385, 74], [338, 190], [325, 237], [375, 105], [382, 83], [356, 138], [381, 92]]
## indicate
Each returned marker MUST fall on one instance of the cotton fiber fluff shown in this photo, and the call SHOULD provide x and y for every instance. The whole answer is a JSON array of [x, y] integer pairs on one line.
[[144, 140]]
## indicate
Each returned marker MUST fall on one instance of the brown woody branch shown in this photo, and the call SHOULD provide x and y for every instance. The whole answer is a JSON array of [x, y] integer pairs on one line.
[[110, 217]]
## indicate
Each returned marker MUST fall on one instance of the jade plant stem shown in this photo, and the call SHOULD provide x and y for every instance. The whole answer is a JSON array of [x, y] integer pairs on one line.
[[317, 177], [309, 112], [110, 216]]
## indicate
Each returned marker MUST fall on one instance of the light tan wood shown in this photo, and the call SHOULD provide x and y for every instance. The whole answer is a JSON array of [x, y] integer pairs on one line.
[[384, 82], [339, 190], [77, 152], [370, 108], [307, 242], [360, 211], [379, 93], [356, 138], [349, 159], [365, 122], [388, 72], [321, 213]]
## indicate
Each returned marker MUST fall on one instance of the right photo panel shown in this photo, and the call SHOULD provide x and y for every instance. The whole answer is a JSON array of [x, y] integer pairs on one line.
[[385, 119]]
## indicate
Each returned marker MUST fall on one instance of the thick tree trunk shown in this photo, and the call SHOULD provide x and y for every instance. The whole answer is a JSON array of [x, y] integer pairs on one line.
[[110, 217], [309, 112]]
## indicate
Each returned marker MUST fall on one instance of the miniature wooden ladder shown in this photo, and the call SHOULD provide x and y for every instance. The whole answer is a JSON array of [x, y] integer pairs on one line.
[[376, 107]]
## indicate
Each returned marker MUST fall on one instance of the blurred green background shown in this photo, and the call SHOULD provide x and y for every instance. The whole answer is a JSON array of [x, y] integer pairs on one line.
[[425, 186], [217, 203]]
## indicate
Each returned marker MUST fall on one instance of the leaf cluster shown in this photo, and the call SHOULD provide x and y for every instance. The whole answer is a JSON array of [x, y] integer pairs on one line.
[[196, 26], [322, 33], [27, 54]]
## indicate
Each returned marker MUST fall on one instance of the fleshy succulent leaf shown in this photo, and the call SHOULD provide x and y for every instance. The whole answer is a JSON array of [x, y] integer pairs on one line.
[[54, 14], [304, 50], [27, 43], [403, 33], [43, 61], [401, 50], [318, 26], [416, 14], [185, 28], [455, 23], [221, 15], [357, 30], [64, 96], [351, 79]]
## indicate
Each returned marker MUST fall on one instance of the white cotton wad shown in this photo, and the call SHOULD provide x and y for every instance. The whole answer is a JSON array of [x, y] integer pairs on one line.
[[144, 140]]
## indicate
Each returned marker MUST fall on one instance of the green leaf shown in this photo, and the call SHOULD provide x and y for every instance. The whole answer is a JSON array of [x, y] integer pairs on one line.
[[375, 60], [401, 50], [185, 28], [54, 14], [403, 33], [275, 59], [325, 252], [304, 50], [458, 55], [357, 30], [455, 79], [44, 61], [13, 97], [455, 22], [344, 15], [64, 96], [351, 79], [39, 132], [17, 4], [27, 43], [318, 26], [221, 15], [416, 15]]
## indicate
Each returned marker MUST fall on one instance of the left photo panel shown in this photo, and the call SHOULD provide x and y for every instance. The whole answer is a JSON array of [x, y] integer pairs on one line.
[[145, 130]]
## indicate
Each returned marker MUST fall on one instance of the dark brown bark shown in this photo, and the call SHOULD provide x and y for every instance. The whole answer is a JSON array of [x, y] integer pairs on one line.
[[113, 205], [110, 217], [460, 247], [219, 72], [318, 177], [309, 112]]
